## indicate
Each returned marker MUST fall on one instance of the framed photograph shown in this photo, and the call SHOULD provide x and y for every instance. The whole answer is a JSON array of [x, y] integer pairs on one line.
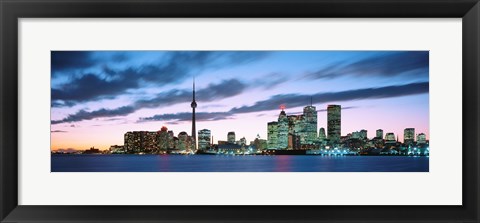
[[230, 111]]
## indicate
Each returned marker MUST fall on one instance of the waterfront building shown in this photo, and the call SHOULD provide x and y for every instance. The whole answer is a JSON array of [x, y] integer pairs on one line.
[[134, 142], [185, 142], [230, 148], [260, 144], [282, 140], [222, 142], [421, 138], [204, 136], [390, 136], [390, 139], [272, 135], [164, 139], [231, 137], [150, 142], [334, 123], [379, 133], [242, 141], [116, 149], [140, 141], [409, 136]]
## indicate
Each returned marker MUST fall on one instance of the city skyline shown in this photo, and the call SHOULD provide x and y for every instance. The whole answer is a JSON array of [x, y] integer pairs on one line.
[[96, 95]]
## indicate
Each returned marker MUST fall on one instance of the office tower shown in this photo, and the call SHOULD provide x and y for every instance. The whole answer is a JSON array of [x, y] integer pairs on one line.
[[185, 142], [334, 123], [363, 134], [231, 137], [163, 139], [282, 140], [296, 126], [321, 134], [379, 133], [204, 139], [272, 135], [421, 138], [390, 137], [310, 124], [194, 131], [409, 136]]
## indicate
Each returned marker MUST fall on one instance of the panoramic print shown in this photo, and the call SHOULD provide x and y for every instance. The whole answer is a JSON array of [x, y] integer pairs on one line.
[[240, 111]]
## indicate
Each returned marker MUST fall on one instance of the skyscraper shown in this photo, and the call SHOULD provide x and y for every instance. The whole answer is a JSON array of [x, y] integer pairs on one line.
[[203, 139], [296, 126], [379, 133], [194, 130], [421, 138], [390, 137], [282, 140], [363, 134], [409, 136], [272, 135], [163, 139], [310, 114], [231, 137], [334, 123]]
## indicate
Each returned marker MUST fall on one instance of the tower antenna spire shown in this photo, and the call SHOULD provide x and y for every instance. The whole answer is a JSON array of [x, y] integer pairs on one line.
[[311, 101]]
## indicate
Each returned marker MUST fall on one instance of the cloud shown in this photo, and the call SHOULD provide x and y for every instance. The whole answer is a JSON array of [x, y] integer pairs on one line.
[[232, 87], [384, 65], [187, 116], [85, 115], [214, 91], [70, 60], [297, 100], [57, 131], [175, 67]]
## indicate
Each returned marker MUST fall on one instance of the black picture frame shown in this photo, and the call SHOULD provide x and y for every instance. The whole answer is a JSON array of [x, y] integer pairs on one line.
[[12, 10]]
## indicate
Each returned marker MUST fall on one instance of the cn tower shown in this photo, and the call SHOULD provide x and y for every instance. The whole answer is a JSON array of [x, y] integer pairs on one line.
[[194, 131]]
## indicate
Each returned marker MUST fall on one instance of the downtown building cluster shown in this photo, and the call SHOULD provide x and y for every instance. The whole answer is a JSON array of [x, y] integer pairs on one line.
[[292, 132], [299, 132], [289, 133]]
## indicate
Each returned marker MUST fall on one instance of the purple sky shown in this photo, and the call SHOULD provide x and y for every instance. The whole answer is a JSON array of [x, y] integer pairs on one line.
[[97, 96]]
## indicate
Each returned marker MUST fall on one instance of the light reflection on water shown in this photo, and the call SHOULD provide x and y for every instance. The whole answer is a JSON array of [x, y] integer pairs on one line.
[[224, 163]]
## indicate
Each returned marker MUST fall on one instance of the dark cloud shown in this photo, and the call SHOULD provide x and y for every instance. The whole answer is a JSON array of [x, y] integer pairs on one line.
[[101, 113], [297, 100], [216, 91], [225, 89], [58, 131], [386, 65], [173, 68], [70, 60], [187, 116], [90, 87], [232, 87]]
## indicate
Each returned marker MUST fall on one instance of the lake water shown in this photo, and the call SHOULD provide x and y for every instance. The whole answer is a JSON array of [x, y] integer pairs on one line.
[[224, 163]]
